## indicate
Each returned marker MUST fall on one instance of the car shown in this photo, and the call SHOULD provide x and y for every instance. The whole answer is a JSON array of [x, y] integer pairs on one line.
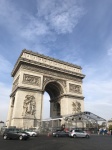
[[78, 133], [15, 134], [60, 133], [31, 133]]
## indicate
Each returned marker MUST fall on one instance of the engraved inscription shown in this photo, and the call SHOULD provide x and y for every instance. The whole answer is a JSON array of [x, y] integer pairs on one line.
[[30, 79], [50, 62]]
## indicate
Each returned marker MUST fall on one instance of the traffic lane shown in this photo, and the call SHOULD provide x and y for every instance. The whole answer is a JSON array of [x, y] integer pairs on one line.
[[95, 142]]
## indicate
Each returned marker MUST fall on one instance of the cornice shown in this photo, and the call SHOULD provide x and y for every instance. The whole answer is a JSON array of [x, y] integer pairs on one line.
[[52, 73], [24, 89], [31, 62], [21, 60], [68, 96], [75, 96], [49, 58]]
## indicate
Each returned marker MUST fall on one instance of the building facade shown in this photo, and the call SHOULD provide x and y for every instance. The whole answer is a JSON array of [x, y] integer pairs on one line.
[[34, 74]]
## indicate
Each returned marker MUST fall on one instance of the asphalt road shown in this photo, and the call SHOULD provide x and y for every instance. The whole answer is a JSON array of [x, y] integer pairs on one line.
[[95, 142]]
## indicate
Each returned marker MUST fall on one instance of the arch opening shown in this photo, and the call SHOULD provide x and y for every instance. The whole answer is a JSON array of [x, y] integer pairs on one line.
[[54, 90], [52, 106], [46, 106]]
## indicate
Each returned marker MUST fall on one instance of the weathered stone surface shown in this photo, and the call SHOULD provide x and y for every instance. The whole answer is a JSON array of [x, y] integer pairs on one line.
[[35, 73]]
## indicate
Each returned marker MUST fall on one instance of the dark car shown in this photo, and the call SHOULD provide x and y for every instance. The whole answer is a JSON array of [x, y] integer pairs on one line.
[[60, 133], [15, 134]]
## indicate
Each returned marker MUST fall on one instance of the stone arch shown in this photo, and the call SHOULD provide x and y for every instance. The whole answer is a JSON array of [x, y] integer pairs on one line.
[[61, 83], [56, 84], [35, 73], [55, 91]]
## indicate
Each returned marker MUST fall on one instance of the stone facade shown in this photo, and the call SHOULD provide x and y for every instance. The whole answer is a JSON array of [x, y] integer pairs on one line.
[[33, 74]]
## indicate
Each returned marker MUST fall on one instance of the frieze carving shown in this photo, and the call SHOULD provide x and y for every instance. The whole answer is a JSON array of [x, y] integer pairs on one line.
[[31, 79], [53, 73], [74, 88], [16, 82], [51, 61], [63, 82], [47, 79], [54, 67], [76, 107], [29, 106]]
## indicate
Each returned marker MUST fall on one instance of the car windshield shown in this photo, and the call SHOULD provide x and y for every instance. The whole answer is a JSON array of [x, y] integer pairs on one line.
[[28, 130]]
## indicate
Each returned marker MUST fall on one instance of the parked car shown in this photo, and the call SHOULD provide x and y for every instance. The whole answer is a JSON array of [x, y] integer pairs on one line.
[[78, 133], [60, 133], [31, 133], [15, 134]]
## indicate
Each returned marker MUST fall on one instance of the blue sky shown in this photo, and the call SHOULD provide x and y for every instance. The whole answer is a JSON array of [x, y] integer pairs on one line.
[[75, 31]]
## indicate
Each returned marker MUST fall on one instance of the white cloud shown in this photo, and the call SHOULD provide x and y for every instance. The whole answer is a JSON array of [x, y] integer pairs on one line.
[[52, 18], [35, 28], [55, 17], [61, 16]]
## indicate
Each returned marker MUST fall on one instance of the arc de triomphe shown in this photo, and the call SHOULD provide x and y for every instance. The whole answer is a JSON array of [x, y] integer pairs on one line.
[[33, 74]]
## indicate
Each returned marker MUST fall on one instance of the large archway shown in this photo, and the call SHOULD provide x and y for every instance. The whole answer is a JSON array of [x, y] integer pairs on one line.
[[34, 74], [46, 106], [55, 90]]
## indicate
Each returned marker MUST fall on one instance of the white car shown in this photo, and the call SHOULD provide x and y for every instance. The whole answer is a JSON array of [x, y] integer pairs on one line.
[[31, 133], [78, 133]]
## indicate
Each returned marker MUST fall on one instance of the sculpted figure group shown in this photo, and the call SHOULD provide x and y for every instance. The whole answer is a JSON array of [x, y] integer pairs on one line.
[[29, 105], [76, 107]]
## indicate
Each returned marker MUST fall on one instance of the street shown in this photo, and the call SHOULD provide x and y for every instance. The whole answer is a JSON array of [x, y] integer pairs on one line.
[[95, 142]]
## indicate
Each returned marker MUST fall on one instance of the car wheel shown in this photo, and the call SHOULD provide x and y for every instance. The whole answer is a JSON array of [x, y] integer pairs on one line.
[[57, 135], [74, 136], [33, 135], [87, 136], [5, 137], [20, 138]]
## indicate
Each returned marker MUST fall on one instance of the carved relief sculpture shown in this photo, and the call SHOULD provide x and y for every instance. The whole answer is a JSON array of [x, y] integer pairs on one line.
[[74, 88], [47, 79], [30, 79], [54, 73], [35, 74], [29, 105], [76, 107]]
